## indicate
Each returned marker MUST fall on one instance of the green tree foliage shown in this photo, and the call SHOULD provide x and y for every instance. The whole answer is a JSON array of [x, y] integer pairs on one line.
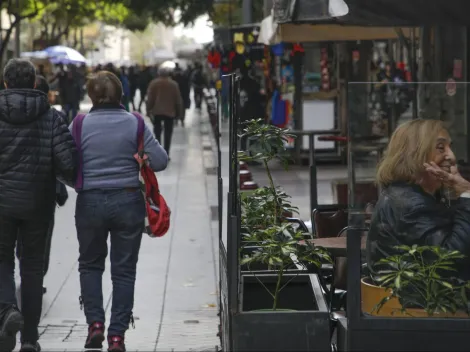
[[142, 12], [230, 12], [17, 11], [58, 18]]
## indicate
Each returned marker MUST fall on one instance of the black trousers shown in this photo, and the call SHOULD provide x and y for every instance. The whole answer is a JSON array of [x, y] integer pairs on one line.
[[167, 122], [32, 235], [47, 251]]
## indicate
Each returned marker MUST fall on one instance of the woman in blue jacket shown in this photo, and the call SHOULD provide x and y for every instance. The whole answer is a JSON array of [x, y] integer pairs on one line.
[[110, 203]]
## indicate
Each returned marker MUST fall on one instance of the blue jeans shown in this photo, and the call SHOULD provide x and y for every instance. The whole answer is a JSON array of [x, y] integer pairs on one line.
[[120, 212]]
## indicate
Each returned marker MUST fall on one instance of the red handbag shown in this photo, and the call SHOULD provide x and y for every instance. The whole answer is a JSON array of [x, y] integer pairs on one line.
[[157, 220]]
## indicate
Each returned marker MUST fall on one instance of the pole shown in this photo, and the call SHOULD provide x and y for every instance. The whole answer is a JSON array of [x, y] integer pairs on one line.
[[17, 32], [247, 7], [267, 7], [413, 73], [313, 173]]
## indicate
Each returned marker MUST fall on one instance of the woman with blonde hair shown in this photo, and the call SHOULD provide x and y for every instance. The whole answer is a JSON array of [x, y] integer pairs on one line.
[[418, 162]]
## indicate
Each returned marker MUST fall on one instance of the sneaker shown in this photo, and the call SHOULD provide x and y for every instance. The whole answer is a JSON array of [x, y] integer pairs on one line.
[[116, 344], [30, 347], [95, 336], [12, 322]]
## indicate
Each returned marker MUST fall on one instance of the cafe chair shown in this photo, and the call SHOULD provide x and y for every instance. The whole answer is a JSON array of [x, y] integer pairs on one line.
[[328, 223], [300, 226]]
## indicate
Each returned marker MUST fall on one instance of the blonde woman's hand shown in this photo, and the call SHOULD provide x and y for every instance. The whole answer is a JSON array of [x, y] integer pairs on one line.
[[452, 179]]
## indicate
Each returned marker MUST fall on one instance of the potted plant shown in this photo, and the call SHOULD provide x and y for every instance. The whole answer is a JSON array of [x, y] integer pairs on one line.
[[418, 282], [280, 309]]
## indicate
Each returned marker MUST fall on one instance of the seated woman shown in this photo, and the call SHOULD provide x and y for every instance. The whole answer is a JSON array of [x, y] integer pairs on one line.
[[418, 162]]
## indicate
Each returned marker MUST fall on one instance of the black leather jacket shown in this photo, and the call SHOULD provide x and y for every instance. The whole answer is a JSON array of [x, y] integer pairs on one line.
[[405, 215]]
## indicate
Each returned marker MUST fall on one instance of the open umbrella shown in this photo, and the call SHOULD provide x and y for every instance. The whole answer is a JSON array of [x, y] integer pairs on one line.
[[64, 55]]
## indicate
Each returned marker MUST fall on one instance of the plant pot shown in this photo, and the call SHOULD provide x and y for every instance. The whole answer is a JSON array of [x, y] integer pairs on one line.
[[301, 324], [371, 295], [245, 176]]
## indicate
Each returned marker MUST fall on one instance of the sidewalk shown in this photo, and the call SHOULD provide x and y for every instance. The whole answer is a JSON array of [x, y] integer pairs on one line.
[[176, 295]]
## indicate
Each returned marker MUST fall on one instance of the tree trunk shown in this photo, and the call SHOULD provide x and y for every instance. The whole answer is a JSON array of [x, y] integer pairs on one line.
[[6, 40]]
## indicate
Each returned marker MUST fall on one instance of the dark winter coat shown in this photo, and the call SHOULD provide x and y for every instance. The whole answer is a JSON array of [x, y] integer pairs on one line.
[[35, 147], [406, 215]]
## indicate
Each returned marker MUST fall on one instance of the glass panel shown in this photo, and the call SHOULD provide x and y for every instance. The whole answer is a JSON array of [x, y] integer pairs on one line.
[[225, 107], [383, 197]]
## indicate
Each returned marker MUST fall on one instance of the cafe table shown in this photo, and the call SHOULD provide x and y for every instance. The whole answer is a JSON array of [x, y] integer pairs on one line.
[[337, 246]]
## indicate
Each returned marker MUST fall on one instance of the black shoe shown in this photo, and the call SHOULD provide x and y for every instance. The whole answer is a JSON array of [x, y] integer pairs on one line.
[[30, 347], [116, 344], [11, 323], [95, 338]]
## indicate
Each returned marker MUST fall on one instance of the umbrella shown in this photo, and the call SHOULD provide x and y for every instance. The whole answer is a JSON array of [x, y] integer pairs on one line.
[[64, 55], [35, 54]]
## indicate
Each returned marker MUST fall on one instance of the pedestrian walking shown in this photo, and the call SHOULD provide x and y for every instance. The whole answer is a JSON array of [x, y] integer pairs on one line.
[[164, 105], [110, 202], [72, 93], [35, 146], [199, 83], [145, 77], [133, 82], [61, 195], [183, 84], [126, 92]]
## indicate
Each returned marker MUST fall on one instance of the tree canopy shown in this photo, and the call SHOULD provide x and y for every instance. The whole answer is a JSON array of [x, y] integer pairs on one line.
[[230, 13], [142, 12]]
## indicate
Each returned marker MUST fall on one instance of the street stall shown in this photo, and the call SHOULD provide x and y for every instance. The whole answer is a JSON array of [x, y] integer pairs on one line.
[[236, 49], [321, 69], [332, 55]]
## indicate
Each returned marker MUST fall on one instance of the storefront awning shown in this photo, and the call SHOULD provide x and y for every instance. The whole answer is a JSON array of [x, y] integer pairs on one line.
[[293, 33], [389, 13]]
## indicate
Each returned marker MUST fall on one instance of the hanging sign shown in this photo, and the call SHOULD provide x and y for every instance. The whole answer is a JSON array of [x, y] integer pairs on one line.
[[457, 69], [451, 87]]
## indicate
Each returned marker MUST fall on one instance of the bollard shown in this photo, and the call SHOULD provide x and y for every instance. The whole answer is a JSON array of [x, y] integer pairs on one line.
[[245, 176]]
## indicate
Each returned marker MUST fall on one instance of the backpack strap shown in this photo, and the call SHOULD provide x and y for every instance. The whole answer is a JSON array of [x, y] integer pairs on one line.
[[77, 136]]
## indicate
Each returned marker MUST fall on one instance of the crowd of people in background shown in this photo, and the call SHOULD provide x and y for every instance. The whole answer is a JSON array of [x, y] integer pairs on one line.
[[141, 91], [70, 81]]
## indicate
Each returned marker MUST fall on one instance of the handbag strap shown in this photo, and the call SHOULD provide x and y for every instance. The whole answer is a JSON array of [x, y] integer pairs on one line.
[[140, 132], [140, 140], [77, 136]]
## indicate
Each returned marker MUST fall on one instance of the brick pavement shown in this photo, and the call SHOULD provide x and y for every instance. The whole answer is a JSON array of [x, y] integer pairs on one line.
[[176, 296]]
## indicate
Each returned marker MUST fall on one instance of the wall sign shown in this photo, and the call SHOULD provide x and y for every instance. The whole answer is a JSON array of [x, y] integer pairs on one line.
[[451, 87]]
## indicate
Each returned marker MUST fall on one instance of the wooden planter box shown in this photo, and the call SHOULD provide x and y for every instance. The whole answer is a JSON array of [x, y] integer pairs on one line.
[[301, 322], [371, 295], [397, 332]]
